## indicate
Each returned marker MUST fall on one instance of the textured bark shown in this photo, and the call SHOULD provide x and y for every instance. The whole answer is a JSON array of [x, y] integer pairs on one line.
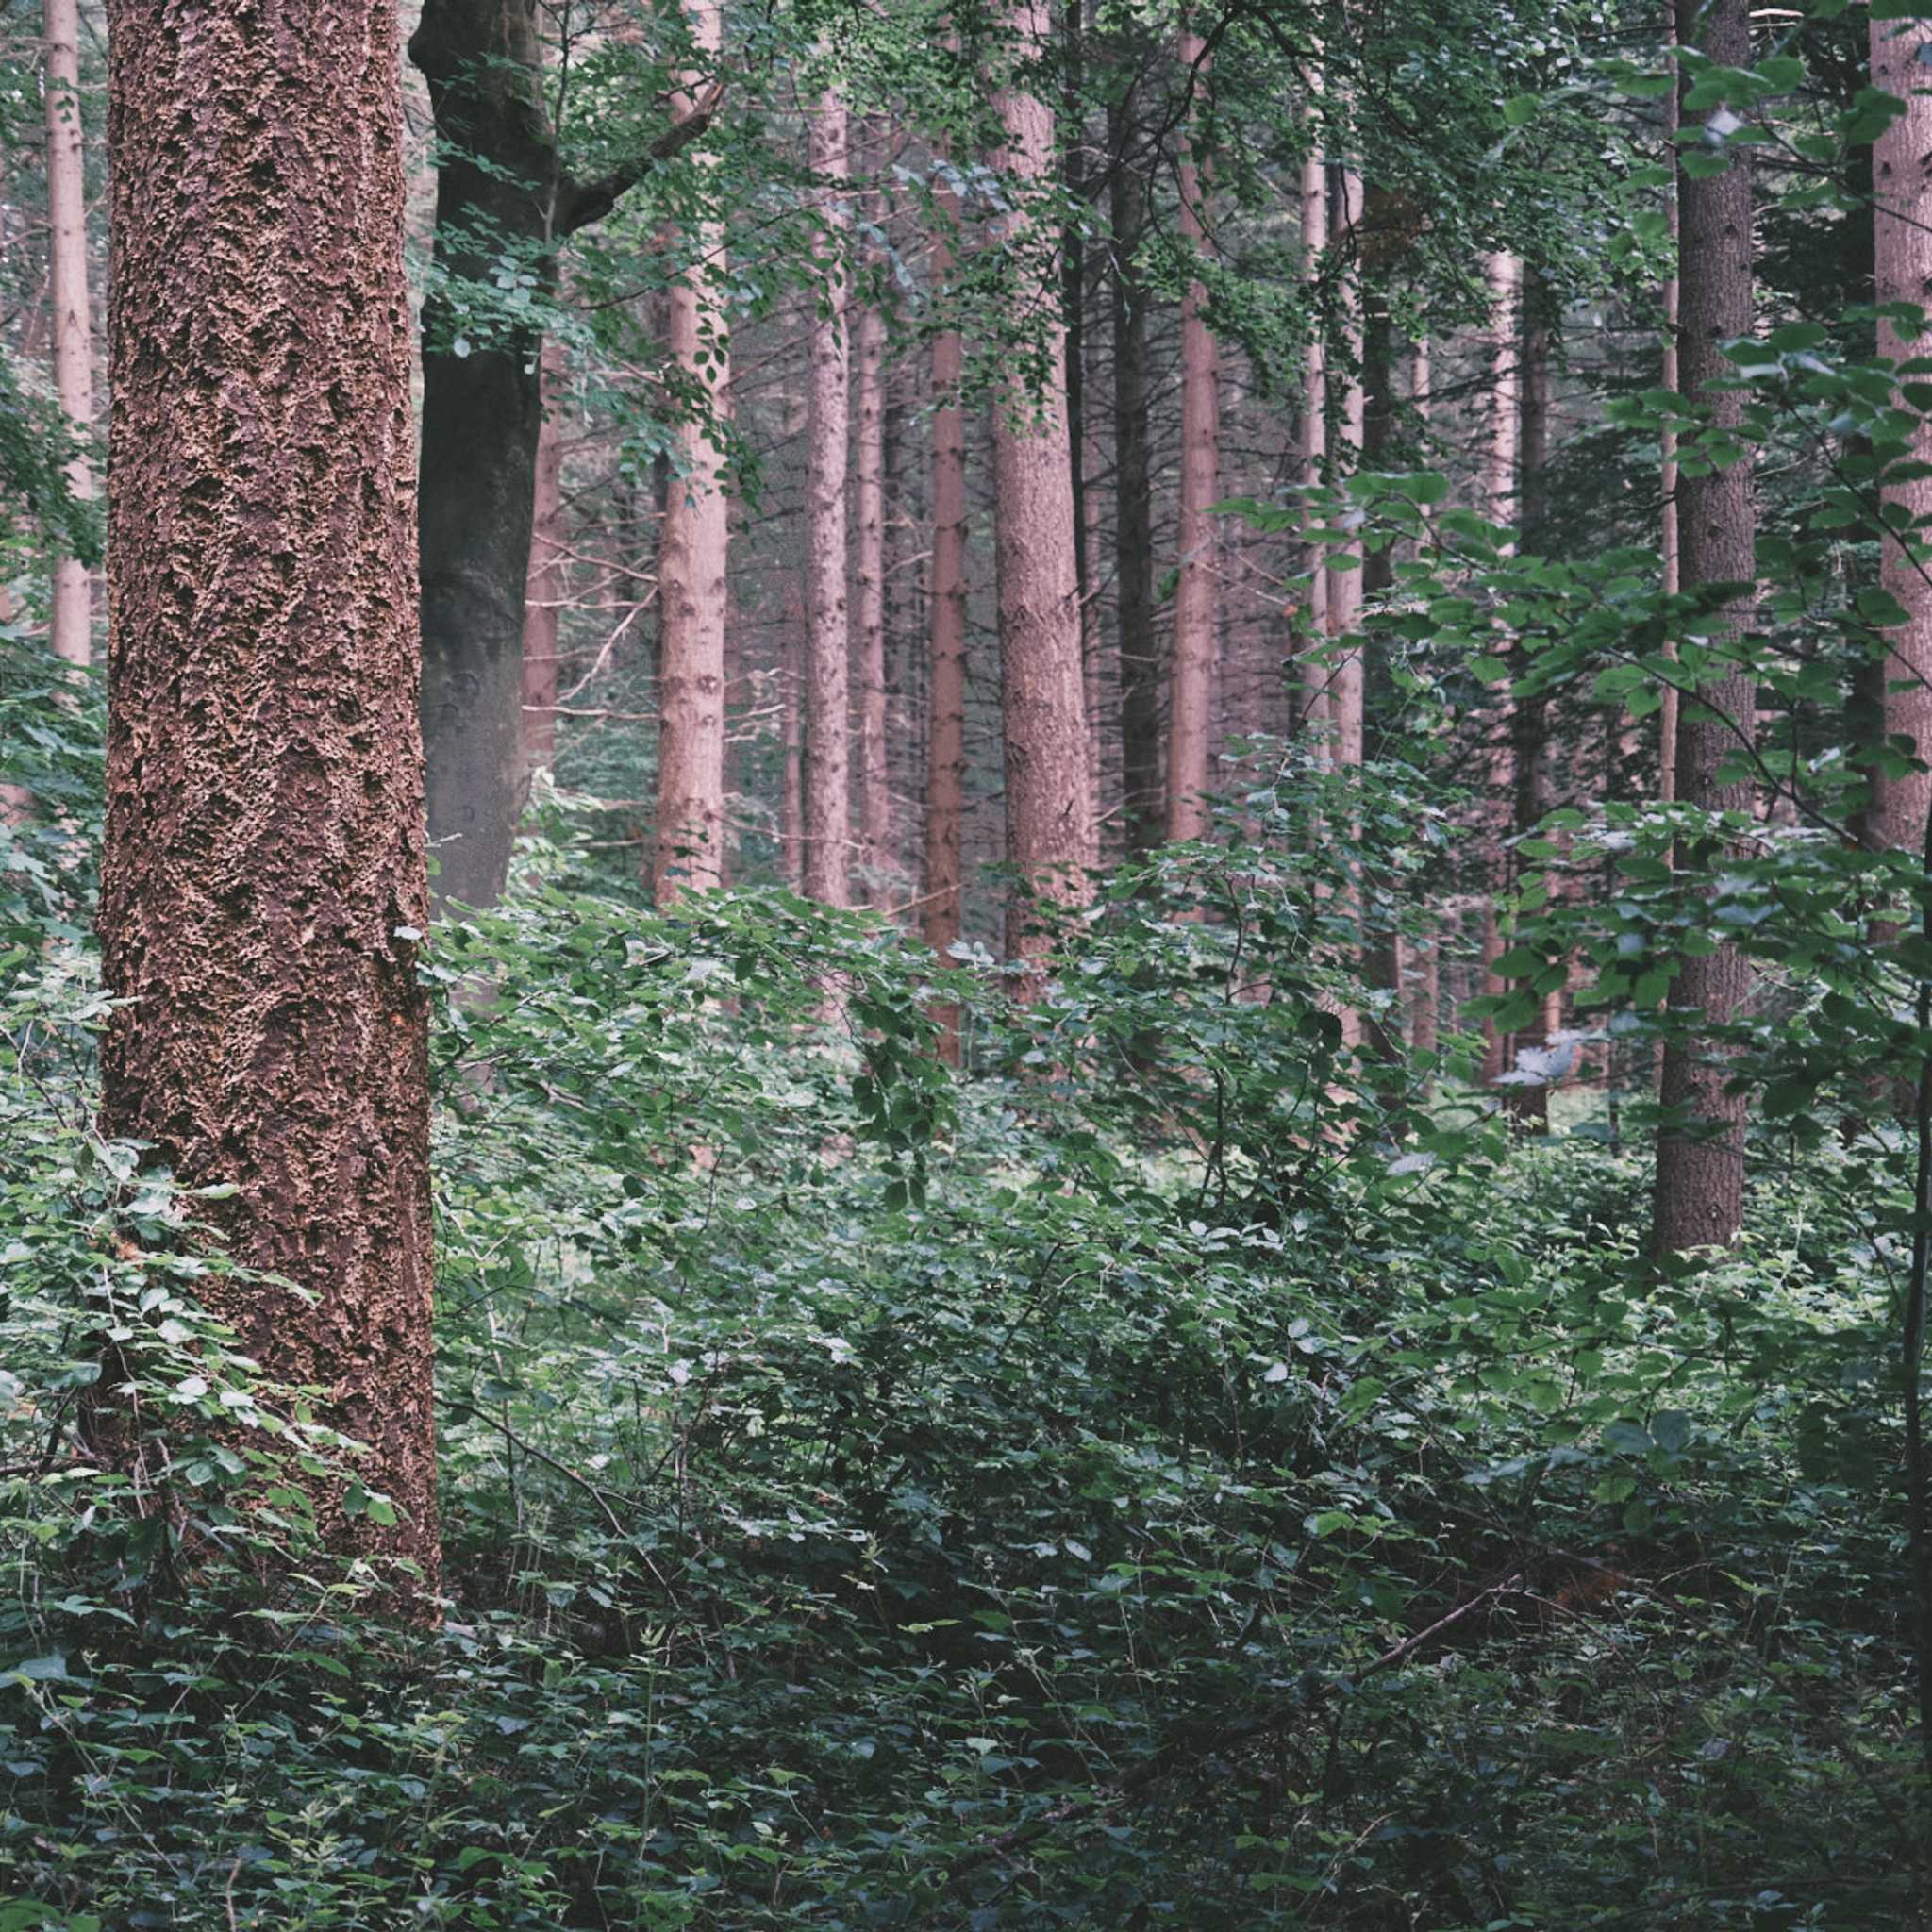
[[263, 878], [945, 772], [1672, 568], [500, 185], [72, 329], [1190, 681], [1314, 439], [876, 868], [827, 829], [1901, 210], [543, 595], [1505, 276], [1140, 664], [1049, 821], [694, 559], [1700, 1164], [1345, 670]]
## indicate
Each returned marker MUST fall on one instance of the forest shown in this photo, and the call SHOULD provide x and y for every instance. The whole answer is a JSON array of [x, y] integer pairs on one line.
[[965, 964]]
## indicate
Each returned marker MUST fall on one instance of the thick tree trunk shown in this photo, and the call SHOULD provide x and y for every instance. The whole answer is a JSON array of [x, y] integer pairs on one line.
[[1049, 827], [73, 624], [1191, 683], [1901, 210], [1700, 1163], [827, 641], [500, 189], [945, 773], [543, 596], [263, 889], [1140, 664], [694, 558], [875, 869]]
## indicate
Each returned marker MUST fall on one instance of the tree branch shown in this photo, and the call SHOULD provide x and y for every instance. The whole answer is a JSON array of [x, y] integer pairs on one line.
[[580, 203]]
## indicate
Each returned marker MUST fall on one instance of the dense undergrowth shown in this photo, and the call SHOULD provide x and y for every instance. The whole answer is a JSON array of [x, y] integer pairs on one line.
[[1156, 1478]]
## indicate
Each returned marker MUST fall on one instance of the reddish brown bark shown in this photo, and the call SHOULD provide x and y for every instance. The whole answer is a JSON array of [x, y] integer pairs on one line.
[[1700, 1163], [828, 823], [263, 886], [694, 557], [869, 602], [1049, 825], [1901, 210], [1672, 569], [945, 773], [72, 329], [543, 599], [1190, 678], [1315, 708]]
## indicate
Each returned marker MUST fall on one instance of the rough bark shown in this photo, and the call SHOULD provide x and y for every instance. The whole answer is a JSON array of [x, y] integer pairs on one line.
[[72, 329], [263, 882], [543, 595], [875, 869], [945, 773], [500, 187], [1902, 236], [1700, 1156], [694, 558], [1139, 664], [1049, 827], [1668, 537], [1314, 437], [1191, 679], [827, 829]]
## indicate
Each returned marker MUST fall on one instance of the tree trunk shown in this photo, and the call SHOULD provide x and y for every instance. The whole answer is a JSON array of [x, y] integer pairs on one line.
[[1700, 1161], [1049, 828], [945, 776], [543, 598], [1901, 208], [876, 868], [1315, 707], [1672, 570], [1345, 670], [827, 643], [1190, 686], [694, 557], [1139, 664], [73, 623], [263, 887], [500, 189]]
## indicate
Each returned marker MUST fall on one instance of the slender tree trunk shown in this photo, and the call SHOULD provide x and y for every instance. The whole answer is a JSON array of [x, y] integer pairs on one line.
[[1672, 569], [868, 604], [1191, 685], [1315, 706], [1902, 223], [73, 622], [945, 776], [1049, 827], [500, 185], [543, 599], [1139, 665], [694, 558], [1700, 1163], [1347, 682], [263, 889], [828, 644]]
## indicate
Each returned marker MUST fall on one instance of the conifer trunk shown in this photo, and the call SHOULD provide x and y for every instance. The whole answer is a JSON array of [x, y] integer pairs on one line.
[[263, 890], [1700, 1166], [1049, 830], [1191, 685], [543, 596], [73, 328], [694, 557], [827, 827], [869, 602]]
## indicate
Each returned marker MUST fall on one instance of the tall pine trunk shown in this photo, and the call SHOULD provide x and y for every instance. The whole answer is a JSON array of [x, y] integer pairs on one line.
[[543, 594], [1315, 706], [1700, 1156], [827, 828], [1190, 682], [263, 889], [1049, 830], [693, 557], [869, 598], [73, 619]]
